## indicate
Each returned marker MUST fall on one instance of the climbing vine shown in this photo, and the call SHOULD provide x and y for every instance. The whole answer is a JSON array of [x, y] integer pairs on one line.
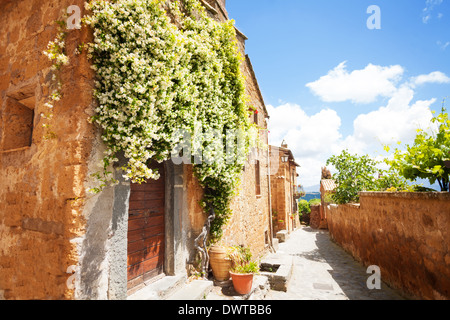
[[164, 69], [56, 53]]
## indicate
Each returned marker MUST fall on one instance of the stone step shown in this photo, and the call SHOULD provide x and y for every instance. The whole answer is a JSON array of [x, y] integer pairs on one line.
[[196, 290], [161, 289], [225, 290], [260, 288]]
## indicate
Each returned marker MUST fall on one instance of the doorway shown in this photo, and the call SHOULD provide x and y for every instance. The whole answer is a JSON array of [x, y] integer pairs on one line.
[[146, 231]]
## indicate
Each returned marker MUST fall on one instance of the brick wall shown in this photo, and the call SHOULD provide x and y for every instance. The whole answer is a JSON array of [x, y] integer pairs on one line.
[[405, 234], [249, 225], [41, 189]]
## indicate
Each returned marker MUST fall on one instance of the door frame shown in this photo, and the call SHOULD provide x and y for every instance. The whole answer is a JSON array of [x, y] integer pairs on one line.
[[102, 250]]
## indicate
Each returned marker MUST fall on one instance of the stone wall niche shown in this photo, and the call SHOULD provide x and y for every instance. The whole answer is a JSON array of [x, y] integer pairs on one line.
[[17, 118]]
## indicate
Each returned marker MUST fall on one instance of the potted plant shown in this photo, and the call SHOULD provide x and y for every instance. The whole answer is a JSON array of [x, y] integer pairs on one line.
[[242, 270]]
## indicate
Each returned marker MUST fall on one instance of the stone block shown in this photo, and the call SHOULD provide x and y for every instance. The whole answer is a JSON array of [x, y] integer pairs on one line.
[[278, 269], [47, 227], [282, 236]]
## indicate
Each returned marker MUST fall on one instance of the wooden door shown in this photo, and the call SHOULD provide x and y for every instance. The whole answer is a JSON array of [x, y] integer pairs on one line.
[[146, 231]]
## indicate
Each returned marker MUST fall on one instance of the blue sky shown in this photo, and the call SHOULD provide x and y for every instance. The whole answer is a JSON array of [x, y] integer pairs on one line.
[[330, 83]]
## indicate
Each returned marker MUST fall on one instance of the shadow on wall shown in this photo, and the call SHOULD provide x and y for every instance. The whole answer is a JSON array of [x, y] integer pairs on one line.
[[348, 273]]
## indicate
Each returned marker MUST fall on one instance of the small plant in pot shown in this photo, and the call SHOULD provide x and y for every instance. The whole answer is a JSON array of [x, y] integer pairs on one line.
[[243, 269]]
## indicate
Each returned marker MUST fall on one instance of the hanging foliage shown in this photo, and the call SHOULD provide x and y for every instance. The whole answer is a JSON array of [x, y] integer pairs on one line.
[[164, 69]]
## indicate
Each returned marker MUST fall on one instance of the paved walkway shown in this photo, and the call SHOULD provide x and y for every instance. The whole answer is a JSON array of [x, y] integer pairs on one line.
[[324, 271]]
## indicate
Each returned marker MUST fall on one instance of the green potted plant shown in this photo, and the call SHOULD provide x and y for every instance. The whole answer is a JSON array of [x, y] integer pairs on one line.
[[243, 269]]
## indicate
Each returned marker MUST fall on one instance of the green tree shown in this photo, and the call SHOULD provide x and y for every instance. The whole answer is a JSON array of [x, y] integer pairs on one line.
[[426, 158], [354, 174]]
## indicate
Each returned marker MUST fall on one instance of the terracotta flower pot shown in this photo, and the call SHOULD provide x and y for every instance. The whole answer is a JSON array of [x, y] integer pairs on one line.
[[220, 263], [242, 282]]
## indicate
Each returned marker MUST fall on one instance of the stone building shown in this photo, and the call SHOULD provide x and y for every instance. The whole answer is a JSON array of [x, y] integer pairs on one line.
[[58, 241], [283, 180], [327, 188]]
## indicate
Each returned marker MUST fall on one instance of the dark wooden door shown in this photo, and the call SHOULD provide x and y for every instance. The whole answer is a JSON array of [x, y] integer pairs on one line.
[[146, 231]]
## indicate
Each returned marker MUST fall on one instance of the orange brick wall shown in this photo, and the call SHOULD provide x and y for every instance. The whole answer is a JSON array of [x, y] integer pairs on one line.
[[41, 186], [405, 234], [43, 200], [249, 223]]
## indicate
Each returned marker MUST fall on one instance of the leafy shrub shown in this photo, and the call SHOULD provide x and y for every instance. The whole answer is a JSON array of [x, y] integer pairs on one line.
[[241, 258], [314, 202], [303, 207], [427, 157]]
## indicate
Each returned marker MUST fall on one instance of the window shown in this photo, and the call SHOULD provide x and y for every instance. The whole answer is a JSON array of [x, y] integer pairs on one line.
[[17, 119], [255, 117], [258, 177]]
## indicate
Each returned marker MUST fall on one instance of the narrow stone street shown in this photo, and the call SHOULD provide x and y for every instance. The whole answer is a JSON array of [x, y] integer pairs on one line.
[[324, 271]]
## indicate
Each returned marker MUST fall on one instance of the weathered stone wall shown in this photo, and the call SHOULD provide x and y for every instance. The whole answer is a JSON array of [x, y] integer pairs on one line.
[[405, 234], [218, 6], [315, 217], [279, 209], [42, 192], [49, 223], [249, 225]]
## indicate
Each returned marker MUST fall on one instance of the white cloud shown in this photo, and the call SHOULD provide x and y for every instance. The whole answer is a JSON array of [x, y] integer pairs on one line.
[[311, 138], [315, 138], [358, 86], [307, 135], [398, 121], [433, 77]]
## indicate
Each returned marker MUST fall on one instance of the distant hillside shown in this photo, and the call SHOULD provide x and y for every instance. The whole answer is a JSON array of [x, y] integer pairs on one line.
[[311, 195], [424, 182], [313, 192]]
